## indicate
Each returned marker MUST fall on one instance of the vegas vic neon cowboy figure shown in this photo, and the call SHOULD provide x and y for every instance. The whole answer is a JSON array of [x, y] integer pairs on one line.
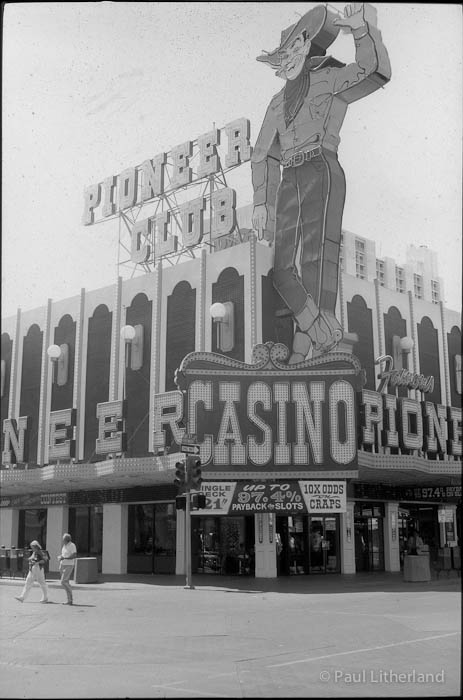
[[297, 179]]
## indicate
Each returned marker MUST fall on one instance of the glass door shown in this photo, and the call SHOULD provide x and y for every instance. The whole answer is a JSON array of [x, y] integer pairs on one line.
[[151, 538], [165, 528], [369, 545], [298, 544], [223, 545], [140, 545], [376, 553], [324, 551], [86, 528]]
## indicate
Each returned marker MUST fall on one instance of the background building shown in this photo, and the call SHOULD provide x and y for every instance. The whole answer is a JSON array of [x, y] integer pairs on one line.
[[121, 507]]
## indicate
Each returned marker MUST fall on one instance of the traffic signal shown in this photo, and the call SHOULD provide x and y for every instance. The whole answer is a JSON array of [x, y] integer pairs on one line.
[[194, 472], [179, 474], [180, 503], [198, 500]]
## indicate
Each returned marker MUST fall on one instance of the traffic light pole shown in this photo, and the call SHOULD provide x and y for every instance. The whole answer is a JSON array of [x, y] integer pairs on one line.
[[188, 583]]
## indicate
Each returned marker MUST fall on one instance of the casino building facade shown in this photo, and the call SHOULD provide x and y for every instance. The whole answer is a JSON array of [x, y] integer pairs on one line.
[[88, 445]]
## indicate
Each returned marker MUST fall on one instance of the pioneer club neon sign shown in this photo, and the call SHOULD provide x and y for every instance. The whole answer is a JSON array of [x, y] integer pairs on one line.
[[156, 178]]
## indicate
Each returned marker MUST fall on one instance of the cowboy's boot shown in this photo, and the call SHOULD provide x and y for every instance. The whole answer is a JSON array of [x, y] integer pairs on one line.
[[301, 347], [326, 333], [305, 320], [307, 315]]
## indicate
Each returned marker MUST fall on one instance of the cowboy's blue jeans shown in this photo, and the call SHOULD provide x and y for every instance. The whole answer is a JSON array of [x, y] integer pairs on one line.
[[309, 207]]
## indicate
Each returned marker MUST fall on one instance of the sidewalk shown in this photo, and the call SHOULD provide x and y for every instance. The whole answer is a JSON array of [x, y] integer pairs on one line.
[[313, 583], [148, 636]]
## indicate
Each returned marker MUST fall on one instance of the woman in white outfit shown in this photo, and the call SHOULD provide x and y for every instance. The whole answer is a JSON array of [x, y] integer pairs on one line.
[[37, 562]]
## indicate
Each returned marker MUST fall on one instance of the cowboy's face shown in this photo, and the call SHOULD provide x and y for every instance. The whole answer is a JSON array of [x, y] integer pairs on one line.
[[293, 57]]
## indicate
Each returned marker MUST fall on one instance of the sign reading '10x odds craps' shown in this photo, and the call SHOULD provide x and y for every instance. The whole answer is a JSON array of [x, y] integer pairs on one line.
[[232, 498]]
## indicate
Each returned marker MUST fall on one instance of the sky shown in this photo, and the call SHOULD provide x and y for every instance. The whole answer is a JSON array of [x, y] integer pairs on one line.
[[90, 89]]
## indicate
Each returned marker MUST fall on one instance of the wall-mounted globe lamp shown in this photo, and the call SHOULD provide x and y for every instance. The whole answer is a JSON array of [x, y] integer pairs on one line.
[[59, 357], [222, 313], [401, 347]]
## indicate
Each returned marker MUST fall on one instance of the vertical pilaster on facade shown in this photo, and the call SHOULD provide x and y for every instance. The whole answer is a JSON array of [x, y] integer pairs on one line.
[[391, 537], [115, 526], [445, 351], [379, 317], [57, 525], [180, 544], [78, 378], [252, 295], [115, 344], [45, 392], [414, 337], [9, 527], [201, 338], [342, 308], [413, 333], [155, 348], [348, 540], [13, 409], [265, 545]]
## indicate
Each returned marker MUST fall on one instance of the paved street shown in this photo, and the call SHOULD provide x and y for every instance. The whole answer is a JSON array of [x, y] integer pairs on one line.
[[332, 636]]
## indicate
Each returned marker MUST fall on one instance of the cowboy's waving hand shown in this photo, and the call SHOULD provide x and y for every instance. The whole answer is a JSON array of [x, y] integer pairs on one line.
[[353, 17]]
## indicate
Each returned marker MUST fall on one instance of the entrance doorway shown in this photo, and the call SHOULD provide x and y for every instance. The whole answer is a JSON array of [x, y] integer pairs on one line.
[[86, 525], [223, 545], [308, 544], [423, 519], [369, 541], [151, 538]]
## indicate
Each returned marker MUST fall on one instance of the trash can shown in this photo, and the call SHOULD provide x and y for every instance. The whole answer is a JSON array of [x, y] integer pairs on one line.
[[20, 557], [444, 558], [4, 561], [417, 568], [13, 561], [86, 570], [456, 558]]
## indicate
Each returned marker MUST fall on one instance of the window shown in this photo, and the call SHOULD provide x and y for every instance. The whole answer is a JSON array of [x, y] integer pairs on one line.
[[380, 271], [86, 529], [399, 280], [360, 265], [418, 286], [435, 292], [32, 526]]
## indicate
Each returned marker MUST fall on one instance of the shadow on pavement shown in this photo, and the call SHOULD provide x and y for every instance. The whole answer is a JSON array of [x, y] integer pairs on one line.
[[302, 584]]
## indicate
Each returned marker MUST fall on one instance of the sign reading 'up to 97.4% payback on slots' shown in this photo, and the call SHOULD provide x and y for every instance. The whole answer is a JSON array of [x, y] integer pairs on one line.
[[227, 497]]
